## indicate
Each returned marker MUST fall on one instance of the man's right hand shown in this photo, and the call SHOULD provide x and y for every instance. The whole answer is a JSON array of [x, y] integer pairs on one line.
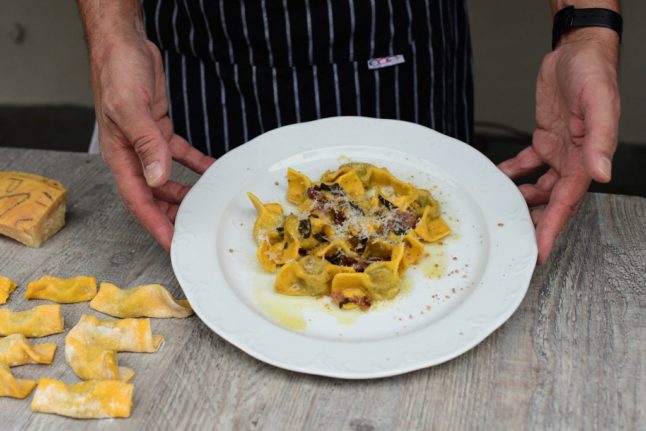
[[135, 133]]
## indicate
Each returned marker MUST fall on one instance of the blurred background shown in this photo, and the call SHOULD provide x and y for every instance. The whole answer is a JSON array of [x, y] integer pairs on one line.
[[46, 98]]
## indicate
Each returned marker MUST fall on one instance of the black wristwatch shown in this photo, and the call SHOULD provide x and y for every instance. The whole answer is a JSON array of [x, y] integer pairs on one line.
[[569, 17]]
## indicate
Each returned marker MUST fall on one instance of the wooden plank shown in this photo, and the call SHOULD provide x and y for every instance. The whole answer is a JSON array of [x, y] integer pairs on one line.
[[571, 357], [100, 239]]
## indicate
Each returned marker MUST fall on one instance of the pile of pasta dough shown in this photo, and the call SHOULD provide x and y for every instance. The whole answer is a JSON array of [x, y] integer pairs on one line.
[[91, 346], [351, 236]]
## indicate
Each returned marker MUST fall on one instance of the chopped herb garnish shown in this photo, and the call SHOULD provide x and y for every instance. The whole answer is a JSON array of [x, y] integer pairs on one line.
[[305, 228], [320, 237], [343, 302], [355, 207], [385, 202]]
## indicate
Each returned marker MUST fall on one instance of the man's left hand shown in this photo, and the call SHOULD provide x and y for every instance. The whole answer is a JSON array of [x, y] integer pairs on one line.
[[577, 117]]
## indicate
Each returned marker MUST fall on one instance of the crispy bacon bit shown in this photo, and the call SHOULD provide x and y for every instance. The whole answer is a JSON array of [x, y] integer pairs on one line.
[[358, 244], [362, 264], [363, 302], [337, 216], [401, 222], [319, 209], [337, 297], [358, 263], [316, 191], [341, 259], [313, 193]]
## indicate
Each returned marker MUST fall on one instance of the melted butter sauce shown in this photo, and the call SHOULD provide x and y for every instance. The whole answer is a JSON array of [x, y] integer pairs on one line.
[[289, 311], [435, 264]]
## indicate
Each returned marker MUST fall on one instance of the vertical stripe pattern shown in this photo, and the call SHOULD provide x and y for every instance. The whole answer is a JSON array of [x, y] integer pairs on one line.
[[238, 68]]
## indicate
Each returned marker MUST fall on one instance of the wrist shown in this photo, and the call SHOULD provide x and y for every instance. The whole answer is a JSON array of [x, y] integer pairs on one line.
[[110, 23], [588, 25], [600, 35], [602, 40]]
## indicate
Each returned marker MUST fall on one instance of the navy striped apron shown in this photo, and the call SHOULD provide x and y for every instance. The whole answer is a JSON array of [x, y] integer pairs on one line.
[[238, 68]]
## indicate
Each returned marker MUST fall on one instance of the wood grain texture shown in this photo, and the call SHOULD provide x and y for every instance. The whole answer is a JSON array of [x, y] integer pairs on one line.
[[571, 357]]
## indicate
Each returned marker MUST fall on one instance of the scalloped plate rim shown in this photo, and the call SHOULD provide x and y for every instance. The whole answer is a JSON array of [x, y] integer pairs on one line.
[[179, 253]]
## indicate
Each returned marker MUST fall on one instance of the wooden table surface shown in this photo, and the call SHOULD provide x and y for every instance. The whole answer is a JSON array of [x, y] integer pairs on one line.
[[571, 357]]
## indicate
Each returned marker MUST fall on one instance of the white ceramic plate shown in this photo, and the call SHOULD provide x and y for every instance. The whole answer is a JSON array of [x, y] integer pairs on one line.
[[459, 294]]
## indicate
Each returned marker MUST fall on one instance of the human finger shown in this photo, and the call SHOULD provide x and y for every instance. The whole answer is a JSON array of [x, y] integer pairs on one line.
[[568, 192], [138, 198], [171, 192], [539, 193], [171, 212], [537, 214], [524, 163], [189, 156]]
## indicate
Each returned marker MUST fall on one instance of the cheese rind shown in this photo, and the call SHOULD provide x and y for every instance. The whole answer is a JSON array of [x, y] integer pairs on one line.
[[32, 207]]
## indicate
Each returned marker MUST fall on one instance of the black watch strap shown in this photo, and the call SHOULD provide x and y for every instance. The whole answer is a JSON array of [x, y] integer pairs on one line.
[[569, 17]]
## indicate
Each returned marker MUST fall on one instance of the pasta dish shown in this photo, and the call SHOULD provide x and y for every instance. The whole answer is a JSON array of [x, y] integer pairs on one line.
[[351, 235]]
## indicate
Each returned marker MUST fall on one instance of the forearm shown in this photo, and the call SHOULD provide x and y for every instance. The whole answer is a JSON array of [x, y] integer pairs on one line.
[[105, 21], [557, 5]]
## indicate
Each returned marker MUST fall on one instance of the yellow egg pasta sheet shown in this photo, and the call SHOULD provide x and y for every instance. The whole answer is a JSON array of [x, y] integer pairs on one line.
[[7, 286], [39, 321], [150, 300], [91, 346], [16, 350], [62, 290], [13, 387], [86, 400]]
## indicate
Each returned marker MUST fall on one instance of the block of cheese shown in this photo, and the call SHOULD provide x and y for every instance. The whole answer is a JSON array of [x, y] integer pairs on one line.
[[32, 208]]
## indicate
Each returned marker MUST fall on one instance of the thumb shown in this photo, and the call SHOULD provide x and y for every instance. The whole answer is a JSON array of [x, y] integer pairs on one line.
[[155, 156], [148, 142], [601, 116]]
